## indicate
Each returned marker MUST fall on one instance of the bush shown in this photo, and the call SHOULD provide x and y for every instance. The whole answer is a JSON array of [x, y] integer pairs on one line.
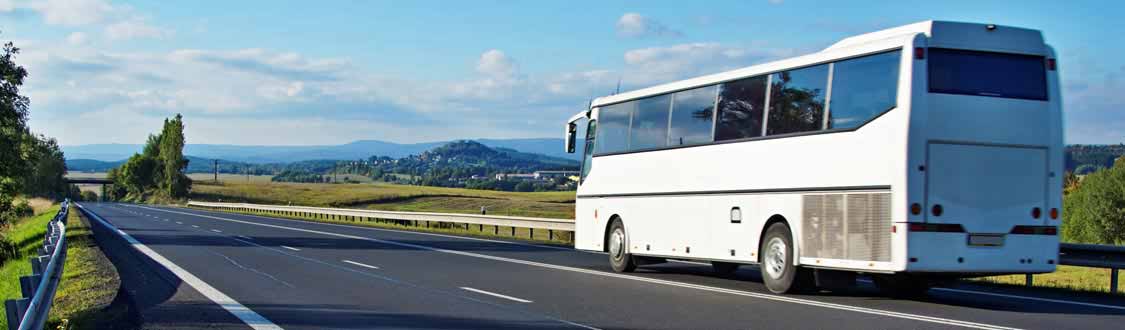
[[21, 209], [1094, 212]]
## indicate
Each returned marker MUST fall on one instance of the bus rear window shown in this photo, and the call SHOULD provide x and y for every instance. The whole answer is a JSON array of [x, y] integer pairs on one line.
[[966, 72]]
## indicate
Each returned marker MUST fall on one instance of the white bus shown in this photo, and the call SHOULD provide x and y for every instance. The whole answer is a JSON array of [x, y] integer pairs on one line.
[[915, 154]]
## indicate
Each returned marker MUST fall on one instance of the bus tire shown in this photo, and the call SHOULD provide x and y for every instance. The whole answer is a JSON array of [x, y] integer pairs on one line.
[[901, 285], [778, 271], [724, 269], [618, 246]]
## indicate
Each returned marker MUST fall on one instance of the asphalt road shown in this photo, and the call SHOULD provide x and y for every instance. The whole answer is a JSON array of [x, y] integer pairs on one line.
[[277, 273]]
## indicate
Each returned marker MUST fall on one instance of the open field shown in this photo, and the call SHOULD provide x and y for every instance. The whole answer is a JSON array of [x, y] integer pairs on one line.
[[383, 196], [198, 177]]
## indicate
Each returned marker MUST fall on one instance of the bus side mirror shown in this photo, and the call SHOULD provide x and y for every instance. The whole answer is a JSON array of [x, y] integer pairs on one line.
[[571, 131]]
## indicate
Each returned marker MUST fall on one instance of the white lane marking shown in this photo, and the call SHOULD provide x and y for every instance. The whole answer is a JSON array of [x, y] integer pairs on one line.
[[1030, 298], [251, 318], [359, 264], [764, 296], [243, 237], [497, 295], [216, 230], [289, 248], [179, 223], [678, 261], [194, 226]]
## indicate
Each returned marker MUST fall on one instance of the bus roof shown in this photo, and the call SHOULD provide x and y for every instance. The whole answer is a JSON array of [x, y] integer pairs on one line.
[[941, 33]]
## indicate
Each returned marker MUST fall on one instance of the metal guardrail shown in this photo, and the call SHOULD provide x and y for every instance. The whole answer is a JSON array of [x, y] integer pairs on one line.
[[1097, 256], [38, 289], [551, 225]]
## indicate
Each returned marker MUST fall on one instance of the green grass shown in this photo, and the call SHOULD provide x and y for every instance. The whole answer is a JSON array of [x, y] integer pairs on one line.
[[525, 234], [27, 235], [393, 197], [89, 284], [1068, 278]]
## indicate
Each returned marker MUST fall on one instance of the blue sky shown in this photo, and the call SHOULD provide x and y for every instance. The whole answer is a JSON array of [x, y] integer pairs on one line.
[[326, 72]]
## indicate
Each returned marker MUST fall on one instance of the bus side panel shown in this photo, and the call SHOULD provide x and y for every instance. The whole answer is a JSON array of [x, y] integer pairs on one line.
[[588, 230]]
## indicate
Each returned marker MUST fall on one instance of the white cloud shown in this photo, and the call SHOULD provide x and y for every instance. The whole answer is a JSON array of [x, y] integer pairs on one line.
[[496, 64], [663, 64], [635, 25], [72, 12], [7, 5], [76, 38], [134, 29]]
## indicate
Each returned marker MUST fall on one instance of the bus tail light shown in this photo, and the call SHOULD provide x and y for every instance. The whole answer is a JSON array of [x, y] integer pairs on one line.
[[919, 53], [1054, 213], [915, 209], [1036, 212], [937, 227], [937, 210], [1051, 64], [1035, 230]]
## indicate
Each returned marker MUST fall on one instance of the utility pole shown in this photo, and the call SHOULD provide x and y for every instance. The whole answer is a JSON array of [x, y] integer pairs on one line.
[[216, 162]]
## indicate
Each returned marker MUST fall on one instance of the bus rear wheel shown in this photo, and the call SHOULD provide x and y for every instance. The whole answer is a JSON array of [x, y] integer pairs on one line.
[[776, 254], [619, 257]]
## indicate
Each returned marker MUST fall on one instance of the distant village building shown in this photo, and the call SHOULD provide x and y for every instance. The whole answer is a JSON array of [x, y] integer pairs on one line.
[[537, 176]]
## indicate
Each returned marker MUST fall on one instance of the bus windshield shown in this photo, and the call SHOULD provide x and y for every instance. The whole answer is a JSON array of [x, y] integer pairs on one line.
[[979, 73]]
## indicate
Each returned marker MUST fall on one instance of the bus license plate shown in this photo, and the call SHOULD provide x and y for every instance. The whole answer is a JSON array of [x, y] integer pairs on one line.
[[986, 240]]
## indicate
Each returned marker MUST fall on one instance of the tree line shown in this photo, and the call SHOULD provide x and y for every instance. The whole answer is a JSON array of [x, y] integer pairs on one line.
[[158, 172], [30, 165], [1094, 206]]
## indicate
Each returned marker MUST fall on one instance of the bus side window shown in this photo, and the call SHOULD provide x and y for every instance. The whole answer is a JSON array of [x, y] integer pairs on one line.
[[863, 88], [740, 109], [797, 100], [587, 158]]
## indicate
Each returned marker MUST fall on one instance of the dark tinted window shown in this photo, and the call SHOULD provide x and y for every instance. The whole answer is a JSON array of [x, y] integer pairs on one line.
[[691, 116], [797, 100], [613, 127], [987, 74], [863, 88], [741, 104], [650, 123]]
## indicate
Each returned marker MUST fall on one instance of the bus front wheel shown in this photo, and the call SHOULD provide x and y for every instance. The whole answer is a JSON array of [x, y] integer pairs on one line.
[[776, 254], [619, 256]]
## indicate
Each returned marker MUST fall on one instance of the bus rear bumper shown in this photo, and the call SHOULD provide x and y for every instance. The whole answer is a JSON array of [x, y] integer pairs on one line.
[[952, 253]]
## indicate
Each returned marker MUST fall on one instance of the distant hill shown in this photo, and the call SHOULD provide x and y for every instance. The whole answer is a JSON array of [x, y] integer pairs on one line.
[[286, 154]]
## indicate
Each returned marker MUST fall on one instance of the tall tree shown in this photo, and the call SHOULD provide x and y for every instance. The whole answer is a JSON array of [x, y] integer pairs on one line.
[[175, 182], [13, 127]]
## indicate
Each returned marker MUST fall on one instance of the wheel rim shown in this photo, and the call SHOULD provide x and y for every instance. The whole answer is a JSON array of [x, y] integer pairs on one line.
[[617, 243], [775, 258]]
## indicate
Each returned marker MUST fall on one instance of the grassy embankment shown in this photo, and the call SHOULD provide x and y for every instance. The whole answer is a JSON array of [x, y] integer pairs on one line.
[[1067, 278], [392, 197], [89, 282]]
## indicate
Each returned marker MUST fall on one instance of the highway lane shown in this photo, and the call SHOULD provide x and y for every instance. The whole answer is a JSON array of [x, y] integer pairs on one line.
[[300, 274]]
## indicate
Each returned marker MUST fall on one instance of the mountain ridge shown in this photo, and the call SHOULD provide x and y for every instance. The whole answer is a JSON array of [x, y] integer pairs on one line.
[[259, 154]]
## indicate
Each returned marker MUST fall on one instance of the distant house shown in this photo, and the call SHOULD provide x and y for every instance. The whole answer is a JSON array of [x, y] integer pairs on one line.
[[515, 176], [537, 176]]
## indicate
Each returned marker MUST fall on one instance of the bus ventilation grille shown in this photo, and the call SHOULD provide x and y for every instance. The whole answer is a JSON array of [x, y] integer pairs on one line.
[[849, 226]]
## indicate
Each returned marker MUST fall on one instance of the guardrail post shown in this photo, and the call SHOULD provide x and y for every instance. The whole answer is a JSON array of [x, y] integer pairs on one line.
[[28, 284], [1113, 280], [513, 231], [550, 234], [531, 233], [15, 309], [1027, 279]]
